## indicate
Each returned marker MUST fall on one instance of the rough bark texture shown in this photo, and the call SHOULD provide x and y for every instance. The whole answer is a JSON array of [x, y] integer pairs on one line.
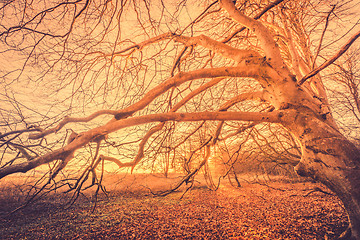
[[292, 91], [328, 157]]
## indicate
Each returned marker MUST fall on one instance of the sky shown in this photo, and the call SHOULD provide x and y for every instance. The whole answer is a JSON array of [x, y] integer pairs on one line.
[[35, 95]]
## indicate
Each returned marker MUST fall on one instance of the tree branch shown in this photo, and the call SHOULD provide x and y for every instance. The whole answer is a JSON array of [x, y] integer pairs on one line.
[[322, 36], [67, 120], [267, 42], [240, 98], [246, 70], [257, 16], [251, 70], [116, 161], [140, 154], [225, 50], [112, 126], [157, 128], [143, 44], [331, 60]]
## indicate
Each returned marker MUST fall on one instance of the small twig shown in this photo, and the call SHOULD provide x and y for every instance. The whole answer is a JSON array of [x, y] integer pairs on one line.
[[331, 60], [317, 189], [322, 36]]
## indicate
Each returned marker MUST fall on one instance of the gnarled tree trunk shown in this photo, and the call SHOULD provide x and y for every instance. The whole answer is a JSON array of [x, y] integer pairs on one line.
[[275, 53], [330, 158]]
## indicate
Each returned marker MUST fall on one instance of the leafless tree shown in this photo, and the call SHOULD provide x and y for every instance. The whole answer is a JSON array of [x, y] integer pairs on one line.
[[167, 82], [344, 87]]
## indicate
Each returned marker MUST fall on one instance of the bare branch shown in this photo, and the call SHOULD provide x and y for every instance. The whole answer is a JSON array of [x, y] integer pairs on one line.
[[35, 129], [225, 50], [112, 126], [67, 120], [322, 36], [257, 16], [157, 128], [199, 17], [332, 59], [116, 161], [268, 44], [251, 70], [141, 45], [140, 154], [242, 97]]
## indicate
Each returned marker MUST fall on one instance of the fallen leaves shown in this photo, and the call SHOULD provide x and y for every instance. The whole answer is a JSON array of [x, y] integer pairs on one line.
[[250, 212]]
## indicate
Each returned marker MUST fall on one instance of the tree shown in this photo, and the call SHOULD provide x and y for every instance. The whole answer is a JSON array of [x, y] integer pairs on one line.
[[346, 93], [178, 88]]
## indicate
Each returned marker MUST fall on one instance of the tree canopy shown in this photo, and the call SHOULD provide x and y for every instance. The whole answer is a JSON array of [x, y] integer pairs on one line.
[[170, 85]]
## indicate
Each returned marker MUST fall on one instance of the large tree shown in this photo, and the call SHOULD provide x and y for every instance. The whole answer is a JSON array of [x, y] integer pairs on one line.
[[88, 82]]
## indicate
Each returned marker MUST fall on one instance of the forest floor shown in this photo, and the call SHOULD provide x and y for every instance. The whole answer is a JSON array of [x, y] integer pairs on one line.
[[276, 210]]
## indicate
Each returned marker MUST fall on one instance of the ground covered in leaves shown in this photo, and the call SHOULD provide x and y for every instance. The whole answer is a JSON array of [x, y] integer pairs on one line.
[[254, 211]]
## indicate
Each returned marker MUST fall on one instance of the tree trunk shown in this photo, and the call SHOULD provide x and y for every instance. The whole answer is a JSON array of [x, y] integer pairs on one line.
[[330, 158]]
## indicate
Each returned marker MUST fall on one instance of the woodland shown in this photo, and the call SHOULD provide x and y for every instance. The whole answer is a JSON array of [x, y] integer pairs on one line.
[[247, 111]]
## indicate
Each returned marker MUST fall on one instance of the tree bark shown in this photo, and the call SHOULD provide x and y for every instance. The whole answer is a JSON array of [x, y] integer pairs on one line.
[[330, 158]]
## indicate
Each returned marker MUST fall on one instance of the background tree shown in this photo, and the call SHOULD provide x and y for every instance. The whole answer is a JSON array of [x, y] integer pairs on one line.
[[140, 84], [343, 87]]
